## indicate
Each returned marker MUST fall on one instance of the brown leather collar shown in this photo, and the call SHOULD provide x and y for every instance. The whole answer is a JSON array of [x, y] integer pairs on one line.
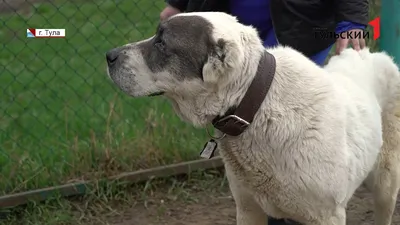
[[236, 120]]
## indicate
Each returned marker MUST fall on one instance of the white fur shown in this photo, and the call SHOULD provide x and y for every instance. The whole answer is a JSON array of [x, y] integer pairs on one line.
[[316, 137]]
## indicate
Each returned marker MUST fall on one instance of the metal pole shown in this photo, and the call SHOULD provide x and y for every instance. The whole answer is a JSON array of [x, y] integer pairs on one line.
[[390, 28]]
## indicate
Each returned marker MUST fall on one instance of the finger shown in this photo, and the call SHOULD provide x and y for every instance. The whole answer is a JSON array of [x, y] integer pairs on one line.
[[164, 14], [356, 44], [341, 44], [168, 12], [363, 43], [337, 47]]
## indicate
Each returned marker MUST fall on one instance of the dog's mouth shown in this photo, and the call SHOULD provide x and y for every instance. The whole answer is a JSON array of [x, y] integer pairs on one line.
[[156, 94]]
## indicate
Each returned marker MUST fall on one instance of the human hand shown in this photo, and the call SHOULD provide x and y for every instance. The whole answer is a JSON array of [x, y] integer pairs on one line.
[[168, 12], [343, 41]]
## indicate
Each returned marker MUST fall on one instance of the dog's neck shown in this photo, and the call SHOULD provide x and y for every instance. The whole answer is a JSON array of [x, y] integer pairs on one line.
[[201, 109]]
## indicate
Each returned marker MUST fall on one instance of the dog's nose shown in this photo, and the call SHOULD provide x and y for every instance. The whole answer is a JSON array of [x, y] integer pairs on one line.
[[112, 56]]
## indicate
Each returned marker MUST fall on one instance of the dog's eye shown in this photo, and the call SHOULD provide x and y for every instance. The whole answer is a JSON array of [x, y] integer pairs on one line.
[[159, 44]]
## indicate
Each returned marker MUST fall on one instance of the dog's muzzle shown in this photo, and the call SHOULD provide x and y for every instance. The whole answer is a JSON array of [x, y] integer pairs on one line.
[[156, 94]]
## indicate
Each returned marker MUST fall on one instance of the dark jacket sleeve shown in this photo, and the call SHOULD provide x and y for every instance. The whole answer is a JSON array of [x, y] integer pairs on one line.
[[179, 4], [355, 11]]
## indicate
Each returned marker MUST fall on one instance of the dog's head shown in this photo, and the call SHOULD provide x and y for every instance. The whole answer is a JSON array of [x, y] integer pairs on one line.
[[192, 59]]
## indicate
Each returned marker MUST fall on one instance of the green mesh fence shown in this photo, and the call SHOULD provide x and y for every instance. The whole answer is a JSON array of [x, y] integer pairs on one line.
[[61, 119]]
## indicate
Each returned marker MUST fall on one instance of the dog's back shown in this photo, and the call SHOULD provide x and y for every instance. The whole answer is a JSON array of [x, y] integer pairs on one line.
[[376, 73]]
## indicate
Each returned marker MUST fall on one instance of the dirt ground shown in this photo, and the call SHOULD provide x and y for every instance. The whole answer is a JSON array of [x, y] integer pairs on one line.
[[219, 209]]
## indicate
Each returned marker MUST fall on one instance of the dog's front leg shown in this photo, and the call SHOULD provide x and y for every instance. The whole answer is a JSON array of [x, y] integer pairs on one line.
[[246, 217], [248, 211], [338, 218]]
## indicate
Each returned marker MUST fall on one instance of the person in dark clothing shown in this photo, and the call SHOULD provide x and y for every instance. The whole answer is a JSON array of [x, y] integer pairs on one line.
[[306, 26], [294, 23]]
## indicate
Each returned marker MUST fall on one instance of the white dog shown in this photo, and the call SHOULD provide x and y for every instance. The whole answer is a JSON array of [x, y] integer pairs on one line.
[[316, 136]]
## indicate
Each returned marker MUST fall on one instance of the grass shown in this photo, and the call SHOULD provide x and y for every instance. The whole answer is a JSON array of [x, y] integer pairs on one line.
[[61, 119], [110, 202]]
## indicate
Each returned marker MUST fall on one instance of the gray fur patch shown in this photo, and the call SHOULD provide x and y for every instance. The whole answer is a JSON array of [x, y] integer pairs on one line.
[[181, 46]]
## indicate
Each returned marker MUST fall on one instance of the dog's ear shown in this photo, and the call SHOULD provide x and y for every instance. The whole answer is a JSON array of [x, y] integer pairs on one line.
[[223, 56]]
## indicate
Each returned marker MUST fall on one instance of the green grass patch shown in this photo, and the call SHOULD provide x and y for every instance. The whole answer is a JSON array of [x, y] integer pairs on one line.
[[112, 202], [61, 119]]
